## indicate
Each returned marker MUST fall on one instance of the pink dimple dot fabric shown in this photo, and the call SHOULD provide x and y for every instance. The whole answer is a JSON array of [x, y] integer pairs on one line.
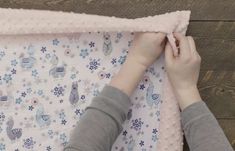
[[20, 21]]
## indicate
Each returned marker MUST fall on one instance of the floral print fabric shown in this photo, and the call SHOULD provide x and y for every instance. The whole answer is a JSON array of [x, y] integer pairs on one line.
[[47, 81]]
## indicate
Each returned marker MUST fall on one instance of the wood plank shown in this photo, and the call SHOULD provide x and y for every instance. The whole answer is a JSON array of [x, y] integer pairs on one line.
[[217, 54], [217, 89], [212, 30], [228, 127], [201, 9]]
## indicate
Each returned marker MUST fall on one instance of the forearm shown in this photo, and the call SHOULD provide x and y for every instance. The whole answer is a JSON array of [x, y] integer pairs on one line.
[[128, 76], [201, 129], [101, 123]]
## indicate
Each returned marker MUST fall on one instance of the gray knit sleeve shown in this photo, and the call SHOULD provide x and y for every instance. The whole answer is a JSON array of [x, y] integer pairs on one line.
[[101, 123], [202, 130]]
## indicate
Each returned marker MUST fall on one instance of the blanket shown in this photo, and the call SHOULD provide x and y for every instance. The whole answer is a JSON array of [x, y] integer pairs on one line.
[[54, 63]]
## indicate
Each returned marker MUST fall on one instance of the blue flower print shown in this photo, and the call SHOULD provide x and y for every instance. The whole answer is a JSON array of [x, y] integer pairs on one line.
[[84, 53], [122, 59], [154, 138], [62, 115], [7, 78], [55, 42], [14, 62], [2, 147], [2, 54], [94, 64], [137, 124], [34, 73], [58, 91], [29, 143], [48, 56], [40, 92], [2, 117], [18, 101]]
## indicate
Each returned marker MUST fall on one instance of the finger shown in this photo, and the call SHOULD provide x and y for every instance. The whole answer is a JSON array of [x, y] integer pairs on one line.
[[193, 48], [192, 45], [169, 56], [183, 45]]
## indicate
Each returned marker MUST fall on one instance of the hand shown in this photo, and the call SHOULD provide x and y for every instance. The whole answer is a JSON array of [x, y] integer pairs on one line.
[[183, 70], [147, 47], [144, 51]]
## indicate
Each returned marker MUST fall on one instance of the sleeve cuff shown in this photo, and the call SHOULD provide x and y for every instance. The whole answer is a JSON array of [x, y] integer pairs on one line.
[[194, 111], [113, 102]]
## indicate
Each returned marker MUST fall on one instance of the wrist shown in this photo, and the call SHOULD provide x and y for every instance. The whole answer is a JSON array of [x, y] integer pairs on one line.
[[187, 96], [128, 76]]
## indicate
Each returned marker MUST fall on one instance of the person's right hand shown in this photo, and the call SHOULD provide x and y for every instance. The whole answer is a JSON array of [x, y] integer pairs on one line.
[[183, 70]]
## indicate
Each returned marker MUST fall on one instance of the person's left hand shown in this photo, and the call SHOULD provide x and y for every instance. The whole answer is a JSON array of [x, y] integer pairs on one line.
[[146, 48]]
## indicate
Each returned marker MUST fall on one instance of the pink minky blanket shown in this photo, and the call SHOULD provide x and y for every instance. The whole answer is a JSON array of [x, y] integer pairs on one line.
[[21, 22]]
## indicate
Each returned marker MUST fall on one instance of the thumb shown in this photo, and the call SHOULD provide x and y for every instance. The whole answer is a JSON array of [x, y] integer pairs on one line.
[[169, 56]]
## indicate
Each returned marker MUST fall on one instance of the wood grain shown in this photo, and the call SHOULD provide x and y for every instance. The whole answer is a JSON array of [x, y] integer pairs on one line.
[[217, 89], [217, 54], [201, 9], [212, 30]]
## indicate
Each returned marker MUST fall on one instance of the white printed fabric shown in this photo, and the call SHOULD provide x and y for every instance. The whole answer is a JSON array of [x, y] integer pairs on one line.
[[47, 81]]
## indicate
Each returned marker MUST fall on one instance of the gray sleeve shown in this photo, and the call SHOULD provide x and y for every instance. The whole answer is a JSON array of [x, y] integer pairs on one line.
[[101, 123], [202, 130]]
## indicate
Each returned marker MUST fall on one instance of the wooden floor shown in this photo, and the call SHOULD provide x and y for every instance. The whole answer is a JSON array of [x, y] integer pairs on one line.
[[212, 24]]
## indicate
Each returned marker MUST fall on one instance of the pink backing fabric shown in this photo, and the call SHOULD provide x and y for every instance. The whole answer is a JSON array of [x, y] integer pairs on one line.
[[21, 21]]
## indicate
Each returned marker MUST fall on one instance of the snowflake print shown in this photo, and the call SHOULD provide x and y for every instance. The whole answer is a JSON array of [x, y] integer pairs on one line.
[[48, 148], [84, 53], [94, 64], [124, 133], [29, 143], [92, 44], [31, 107], [63, 122], [23, 94], [154, 131], [13, 71], [141, 143], [142, 87], [43, 50], [114, 60]]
